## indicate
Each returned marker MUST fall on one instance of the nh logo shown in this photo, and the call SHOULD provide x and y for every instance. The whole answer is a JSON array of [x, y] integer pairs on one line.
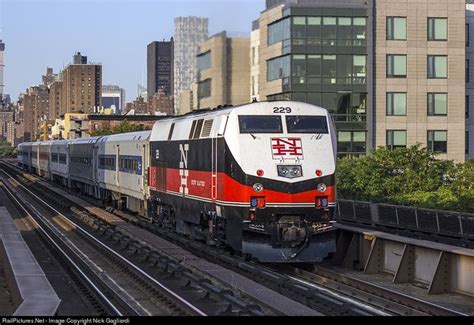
[[287, 148], [183, 168]]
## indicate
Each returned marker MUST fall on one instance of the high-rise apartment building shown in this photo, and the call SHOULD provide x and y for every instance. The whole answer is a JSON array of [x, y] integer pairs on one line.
[[160, 72], [5, 118], [35, 110], [78, 58], [390, 72], [55, 99], [81, 86], [161, 103], [189, 33], [223, 71], [49, 77]]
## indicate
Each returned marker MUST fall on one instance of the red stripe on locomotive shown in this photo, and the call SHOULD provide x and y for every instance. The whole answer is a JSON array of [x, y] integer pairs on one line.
[[199, 184]]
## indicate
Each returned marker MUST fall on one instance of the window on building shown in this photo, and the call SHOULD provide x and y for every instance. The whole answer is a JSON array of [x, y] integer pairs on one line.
[[313, 31], [467, 142], [344, 31], [279, 31], [344, 69], [278, 68], [437, 104], [314, 69], [359, 31], [396, 66], [298, 68], [467, 106], [351, 141], [438, 141], [359, 139], [467, 35], [397, 28], [468, 70], [329, 69], [437, 29], [298, 31], [396, 139], [359, 69], [437, 66], [204, 89], [329, 31], [396, 104], [204, 61]]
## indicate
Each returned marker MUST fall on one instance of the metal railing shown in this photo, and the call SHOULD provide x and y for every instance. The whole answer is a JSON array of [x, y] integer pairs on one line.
[[410, 218]]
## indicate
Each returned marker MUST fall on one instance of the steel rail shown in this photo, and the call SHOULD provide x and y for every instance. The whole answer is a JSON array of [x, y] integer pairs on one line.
[[97, 290], [125, 260]]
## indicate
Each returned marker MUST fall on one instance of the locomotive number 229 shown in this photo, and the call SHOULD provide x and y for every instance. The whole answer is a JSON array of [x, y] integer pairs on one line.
[[281, 110]]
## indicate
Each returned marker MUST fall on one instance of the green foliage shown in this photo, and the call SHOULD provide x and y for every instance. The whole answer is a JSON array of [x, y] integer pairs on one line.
[[6, 150], [123, 127], [407, 176]]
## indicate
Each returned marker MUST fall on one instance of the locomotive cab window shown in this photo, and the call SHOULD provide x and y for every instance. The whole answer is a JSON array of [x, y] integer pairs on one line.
[[307, 124], [260, 124]]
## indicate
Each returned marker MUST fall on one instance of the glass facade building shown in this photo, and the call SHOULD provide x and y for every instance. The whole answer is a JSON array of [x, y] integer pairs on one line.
[[324, 62]]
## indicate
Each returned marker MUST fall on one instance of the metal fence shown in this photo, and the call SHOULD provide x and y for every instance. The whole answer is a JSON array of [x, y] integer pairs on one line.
[[424, 220]]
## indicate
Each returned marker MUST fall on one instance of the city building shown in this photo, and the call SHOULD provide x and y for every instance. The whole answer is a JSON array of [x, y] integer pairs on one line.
[[469, 112], [186, 100], [2, 67], [138, 106], [254, 60], [55, 99], [14, 133], [161, 103], [160, 72], [71, 126], [78, 58], [113, 97], [5, 118], [49, 77], [189, 33], [142, 92], [35, 109], [223, 71], [108, 122], [391, 73], [81, 86]]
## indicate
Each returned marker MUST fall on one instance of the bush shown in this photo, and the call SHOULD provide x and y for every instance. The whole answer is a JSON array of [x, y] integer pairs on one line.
[[407, 176]]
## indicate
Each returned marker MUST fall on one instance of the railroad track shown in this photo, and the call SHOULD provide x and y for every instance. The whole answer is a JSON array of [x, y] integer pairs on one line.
[[213, 299], [123, 287], [319, 289]]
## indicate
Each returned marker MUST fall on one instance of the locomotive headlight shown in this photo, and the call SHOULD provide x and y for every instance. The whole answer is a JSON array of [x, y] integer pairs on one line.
[[322, 187], [290, 171], [257, 187]]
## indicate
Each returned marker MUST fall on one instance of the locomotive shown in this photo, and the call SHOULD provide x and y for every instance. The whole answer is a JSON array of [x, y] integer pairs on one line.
[[258, 178]]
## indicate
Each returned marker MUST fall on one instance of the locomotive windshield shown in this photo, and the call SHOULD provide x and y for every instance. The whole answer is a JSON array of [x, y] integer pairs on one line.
[[260, 124], [307, 124]]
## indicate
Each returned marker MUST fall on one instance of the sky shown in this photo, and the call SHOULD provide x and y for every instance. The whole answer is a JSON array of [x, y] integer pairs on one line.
[[46, 33]]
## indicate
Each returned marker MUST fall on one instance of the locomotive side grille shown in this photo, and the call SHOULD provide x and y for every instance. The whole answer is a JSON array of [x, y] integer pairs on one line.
[[206, 129]]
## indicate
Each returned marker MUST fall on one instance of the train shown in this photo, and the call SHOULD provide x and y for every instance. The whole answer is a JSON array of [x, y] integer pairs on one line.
[[256, 178]]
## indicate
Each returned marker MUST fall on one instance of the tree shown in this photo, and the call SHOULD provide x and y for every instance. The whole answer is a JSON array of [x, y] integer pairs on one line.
[[408, 176], [123, 127]]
